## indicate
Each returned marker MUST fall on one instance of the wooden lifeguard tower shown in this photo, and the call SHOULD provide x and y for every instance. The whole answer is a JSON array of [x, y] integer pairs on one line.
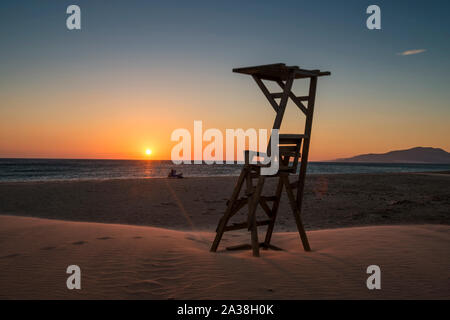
[[292, 149]]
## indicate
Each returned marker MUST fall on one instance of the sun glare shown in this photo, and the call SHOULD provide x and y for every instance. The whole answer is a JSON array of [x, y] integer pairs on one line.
[[148, 152]]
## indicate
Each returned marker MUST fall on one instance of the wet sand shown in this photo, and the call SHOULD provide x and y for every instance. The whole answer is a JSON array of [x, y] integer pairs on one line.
[[331, 201]]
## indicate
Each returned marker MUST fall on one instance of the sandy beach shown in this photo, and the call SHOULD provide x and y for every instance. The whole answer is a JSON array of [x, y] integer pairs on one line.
[[150, 239], [331, 201], [132, 262]]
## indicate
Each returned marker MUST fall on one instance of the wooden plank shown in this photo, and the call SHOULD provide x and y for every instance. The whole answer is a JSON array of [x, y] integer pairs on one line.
[[303, 73], [254, 236], [253, 202], [260, 68], [280, 71], [252, 223], [276, 95], [265, 207], [291, 138], [269, 198], [294, 185], [235, 209], [298, 103], [283, 103], [296, 213], [266, 93], [224, 220], [275, 207], [244, 225], [239, 205], [306, 143], [294, 98], [288, 150]]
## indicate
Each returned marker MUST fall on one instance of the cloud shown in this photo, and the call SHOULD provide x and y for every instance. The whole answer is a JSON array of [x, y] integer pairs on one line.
[[411, 52]]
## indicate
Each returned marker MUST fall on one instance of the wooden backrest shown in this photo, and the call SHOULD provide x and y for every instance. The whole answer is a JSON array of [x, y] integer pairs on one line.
[[289, 151]]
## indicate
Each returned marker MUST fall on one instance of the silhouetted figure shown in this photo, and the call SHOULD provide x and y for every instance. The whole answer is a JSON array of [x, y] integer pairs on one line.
[[173, 174]]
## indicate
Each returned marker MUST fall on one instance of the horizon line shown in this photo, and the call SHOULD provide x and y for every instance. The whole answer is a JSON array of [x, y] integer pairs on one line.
[[116, 159]]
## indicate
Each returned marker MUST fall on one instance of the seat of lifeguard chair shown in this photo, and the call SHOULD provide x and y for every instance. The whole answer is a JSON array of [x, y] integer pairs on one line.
[[289, 153]]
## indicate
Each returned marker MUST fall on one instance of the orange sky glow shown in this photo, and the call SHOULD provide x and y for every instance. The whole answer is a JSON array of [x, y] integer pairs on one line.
[[121, 120], [123, 125]]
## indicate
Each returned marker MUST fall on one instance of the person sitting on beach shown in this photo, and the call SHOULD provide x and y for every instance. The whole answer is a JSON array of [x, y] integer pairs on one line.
[[173, 174]]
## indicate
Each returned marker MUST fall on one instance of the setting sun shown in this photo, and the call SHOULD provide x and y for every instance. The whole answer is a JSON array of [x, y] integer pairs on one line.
[[148, 152]]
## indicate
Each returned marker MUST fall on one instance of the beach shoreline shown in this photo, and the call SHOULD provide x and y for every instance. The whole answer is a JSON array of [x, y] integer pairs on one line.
[[330, 201]]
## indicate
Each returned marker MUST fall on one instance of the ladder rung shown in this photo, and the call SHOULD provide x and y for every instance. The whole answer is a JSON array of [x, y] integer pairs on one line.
[[238, 201], [279, 95], [244, 225], [267, 198], [276, 95], [250, 191], [254, 175]]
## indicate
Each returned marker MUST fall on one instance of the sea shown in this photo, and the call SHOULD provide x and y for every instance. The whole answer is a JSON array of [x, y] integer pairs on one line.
[[23, 170]]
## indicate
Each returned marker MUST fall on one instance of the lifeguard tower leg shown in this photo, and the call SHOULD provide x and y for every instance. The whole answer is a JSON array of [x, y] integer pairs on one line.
[[275, 206], [252, 206], [228, 213], [296, 213]]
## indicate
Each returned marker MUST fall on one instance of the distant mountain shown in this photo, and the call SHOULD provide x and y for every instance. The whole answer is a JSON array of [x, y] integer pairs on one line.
[[414, 155]]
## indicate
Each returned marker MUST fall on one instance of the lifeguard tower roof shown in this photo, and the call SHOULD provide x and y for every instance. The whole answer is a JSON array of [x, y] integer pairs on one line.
[[279, 71]]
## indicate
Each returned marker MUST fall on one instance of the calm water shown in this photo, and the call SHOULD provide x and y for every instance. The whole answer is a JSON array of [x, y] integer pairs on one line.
[[43, 169]]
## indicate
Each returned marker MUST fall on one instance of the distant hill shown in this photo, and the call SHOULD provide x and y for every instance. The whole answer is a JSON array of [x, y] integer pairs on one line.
[[414, 155]]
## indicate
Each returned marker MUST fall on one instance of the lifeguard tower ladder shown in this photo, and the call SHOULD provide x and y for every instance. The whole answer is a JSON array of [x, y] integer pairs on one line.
[[292, 148]]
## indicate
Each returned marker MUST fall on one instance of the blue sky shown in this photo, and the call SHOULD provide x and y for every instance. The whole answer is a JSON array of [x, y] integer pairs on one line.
[[171, 43]]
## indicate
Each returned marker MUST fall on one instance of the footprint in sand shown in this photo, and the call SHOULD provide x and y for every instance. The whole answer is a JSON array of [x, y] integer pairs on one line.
[[138, 237], [10, 256], [104, 238], [79, 243], [193, 238]]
